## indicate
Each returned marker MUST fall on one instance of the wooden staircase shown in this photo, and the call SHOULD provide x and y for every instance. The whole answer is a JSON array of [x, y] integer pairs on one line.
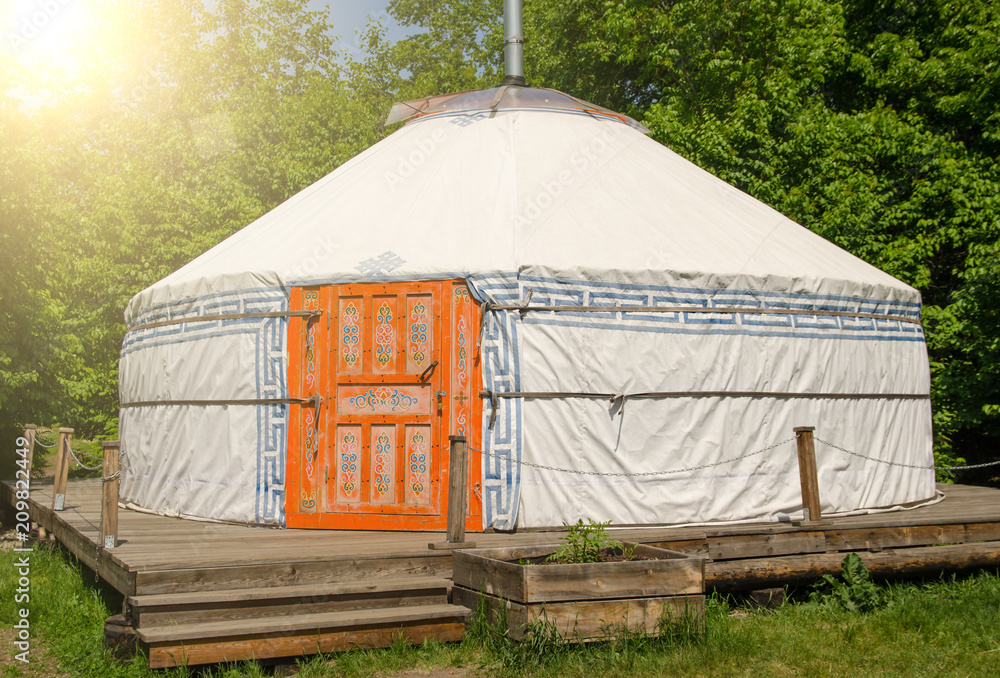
[[226, 614]]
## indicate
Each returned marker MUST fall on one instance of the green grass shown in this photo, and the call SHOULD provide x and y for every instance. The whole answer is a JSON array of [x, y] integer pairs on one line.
[[948, 627]]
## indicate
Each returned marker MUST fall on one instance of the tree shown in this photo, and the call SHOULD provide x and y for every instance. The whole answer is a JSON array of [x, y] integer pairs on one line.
[[34, 349], [872, 122]]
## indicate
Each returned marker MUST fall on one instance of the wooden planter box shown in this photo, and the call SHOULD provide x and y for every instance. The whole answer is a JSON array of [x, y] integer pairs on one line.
[[585, 601]]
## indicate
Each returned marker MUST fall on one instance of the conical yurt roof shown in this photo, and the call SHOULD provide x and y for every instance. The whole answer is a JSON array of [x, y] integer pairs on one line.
[[531, 181]]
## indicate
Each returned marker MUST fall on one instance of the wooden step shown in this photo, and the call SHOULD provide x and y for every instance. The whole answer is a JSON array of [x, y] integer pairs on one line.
[[239, 575], [275, 601], [297, 635]]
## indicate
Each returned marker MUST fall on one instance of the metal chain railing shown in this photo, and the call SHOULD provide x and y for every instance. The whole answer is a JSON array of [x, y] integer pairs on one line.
[[733, 460], [902, 465], [637, 475], [41, 444], [80, 463]]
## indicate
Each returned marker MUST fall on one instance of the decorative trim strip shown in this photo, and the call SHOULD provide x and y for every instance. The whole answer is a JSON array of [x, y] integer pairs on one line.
[[743, 310], [500, 359]]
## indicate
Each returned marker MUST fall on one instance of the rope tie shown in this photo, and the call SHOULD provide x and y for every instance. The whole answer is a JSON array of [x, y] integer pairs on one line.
[[494, 400], [487, 307], [524, 304]]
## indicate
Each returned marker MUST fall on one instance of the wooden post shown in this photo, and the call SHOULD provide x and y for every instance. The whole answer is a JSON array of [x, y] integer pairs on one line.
[[807, 472], [458, 478], [62, 469], [109, 514], [29, 435]]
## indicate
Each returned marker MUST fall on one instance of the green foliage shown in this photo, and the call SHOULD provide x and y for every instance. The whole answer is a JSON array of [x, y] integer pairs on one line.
[[541, 643], [854, 592], [584, 543]]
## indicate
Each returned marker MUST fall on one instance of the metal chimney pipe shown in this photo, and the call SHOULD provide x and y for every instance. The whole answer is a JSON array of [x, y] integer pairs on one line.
[[513, 44]]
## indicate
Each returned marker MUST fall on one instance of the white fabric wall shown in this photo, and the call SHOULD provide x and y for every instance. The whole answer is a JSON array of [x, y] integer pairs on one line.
[[682, 433], [636, 353], [221, 461]]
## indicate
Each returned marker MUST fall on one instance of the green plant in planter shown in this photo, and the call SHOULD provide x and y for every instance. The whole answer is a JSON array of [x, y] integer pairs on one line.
[[584, 543]]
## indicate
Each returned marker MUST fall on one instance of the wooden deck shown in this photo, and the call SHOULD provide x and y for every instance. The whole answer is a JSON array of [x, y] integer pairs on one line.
[[200, 592]]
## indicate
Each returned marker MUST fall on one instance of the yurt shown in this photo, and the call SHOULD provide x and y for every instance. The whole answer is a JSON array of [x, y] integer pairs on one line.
[[619, 334]]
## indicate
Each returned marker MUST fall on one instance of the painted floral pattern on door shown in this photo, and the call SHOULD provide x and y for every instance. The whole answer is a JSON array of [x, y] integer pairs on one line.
[[418, 479], [347, 464], [384, 335], [350, 336], [383, 464]]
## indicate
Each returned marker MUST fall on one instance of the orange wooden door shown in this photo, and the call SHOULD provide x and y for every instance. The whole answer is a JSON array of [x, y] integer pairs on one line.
[[387, 364]]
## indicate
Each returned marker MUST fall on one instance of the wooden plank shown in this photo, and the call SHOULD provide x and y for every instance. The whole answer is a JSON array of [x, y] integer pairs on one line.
[[308, 623], [670, 572], [735, 575], [916, 535], [273, 592], [287, 573], [144, 617], [633, 579], [197, 652], [697, 546], [591, 619], [731, 547], [487, 573]]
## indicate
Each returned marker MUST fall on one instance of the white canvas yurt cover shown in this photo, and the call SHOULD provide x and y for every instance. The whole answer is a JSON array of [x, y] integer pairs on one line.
[[548, 215]]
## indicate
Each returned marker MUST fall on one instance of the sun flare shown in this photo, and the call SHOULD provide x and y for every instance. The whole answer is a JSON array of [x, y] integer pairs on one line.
[[43, 36]]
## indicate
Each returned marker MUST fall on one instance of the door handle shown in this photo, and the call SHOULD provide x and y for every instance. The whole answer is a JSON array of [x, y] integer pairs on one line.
[[430, 369]]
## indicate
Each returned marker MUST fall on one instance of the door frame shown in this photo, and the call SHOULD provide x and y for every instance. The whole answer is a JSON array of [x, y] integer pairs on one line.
[[311, 353]]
